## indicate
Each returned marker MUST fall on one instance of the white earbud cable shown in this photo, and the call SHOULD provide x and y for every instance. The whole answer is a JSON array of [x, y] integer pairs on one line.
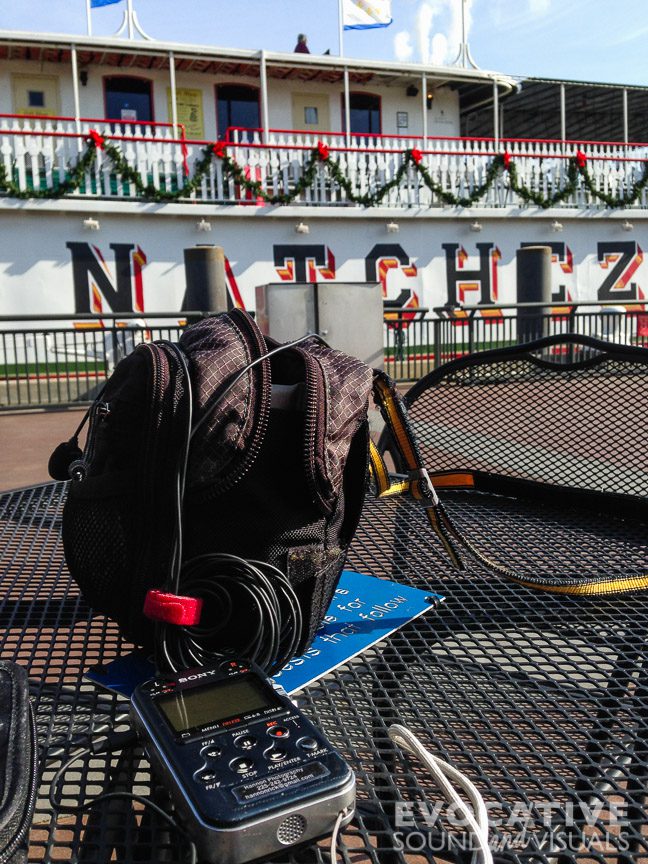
[[443, 773]]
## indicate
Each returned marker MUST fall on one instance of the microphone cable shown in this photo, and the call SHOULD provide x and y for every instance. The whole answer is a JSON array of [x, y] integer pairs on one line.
[[227, 584]]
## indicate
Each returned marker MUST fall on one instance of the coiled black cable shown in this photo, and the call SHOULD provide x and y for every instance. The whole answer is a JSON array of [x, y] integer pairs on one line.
[[249, 610], [249, 607]]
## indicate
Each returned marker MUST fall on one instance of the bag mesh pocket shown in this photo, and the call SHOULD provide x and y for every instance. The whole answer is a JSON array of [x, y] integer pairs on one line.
[[95, 539]]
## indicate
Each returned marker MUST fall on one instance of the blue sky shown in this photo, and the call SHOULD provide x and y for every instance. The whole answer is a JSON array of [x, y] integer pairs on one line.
[[590, 40]]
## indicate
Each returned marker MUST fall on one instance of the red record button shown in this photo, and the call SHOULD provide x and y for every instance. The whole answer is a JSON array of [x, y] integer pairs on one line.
[[278, 732]]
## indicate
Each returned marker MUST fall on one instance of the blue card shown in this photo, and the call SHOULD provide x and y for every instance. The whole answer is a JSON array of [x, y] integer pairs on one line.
[[363, 611]]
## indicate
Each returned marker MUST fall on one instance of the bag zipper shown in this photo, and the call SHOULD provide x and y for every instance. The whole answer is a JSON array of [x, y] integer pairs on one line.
[[161, 377], [257, 347], [99, 413], [28, 813], [314, 428]]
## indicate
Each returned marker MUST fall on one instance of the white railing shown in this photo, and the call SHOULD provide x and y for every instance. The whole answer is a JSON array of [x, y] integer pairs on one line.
[[38, 154]]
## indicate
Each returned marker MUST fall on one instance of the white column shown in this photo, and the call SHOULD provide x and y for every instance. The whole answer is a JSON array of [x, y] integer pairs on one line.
[[75, 88], [347, 107], [563, 114], [496, 133], [425, 108], [89, 17], [263, 74], [174, 97]]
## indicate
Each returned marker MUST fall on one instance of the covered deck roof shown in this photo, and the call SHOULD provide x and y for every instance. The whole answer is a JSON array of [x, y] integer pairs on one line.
[[545, 108], [475, 87]]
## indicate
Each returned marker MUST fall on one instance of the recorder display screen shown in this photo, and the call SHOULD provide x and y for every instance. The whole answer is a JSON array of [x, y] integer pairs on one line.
[[213, 703]]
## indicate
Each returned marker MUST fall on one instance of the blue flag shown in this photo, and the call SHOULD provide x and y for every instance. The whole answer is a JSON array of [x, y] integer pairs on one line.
[[95, 3]]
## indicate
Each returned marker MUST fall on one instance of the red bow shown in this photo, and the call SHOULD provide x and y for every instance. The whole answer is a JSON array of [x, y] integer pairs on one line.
[[581, 158], [416, 156], [218, 149], [97, 139], [506, 158], [322, 151]]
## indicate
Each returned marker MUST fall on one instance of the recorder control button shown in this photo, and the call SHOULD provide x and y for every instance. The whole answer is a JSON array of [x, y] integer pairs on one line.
[[278, 732], [207, 776], [245, 742], [212, 752], [308, 744], [241, 766], [275, 755]]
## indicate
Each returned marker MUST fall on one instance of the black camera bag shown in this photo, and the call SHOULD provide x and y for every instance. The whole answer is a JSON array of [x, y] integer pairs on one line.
[[276, 470]]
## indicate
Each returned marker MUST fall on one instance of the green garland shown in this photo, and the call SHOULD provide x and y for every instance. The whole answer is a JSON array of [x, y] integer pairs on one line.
[[76, 177]]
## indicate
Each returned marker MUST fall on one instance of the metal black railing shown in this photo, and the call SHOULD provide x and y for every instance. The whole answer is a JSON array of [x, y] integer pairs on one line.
[[419, 340], [56, 362], [47, 362]]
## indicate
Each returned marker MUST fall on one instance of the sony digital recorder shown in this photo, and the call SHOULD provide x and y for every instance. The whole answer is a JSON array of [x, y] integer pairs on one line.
[[248, 773]]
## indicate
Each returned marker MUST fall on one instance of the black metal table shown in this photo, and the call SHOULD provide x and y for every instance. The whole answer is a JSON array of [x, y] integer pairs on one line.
[[540, 699]]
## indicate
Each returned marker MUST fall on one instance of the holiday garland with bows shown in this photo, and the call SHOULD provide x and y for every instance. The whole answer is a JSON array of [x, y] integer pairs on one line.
[[77, 176]]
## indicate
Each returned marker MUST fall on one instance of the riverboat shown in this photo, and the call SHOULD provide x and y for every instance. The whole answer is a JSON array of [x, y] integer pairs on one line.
[[117, 154]]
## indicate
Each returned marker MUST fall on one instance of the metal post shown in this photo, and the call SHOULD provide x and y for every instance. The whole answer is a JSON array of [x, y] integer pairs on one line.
[[89, 17], [174, 99], [437, 323], [563, 115], [625, 116], [340, 28], [424, 103], [264, 98], [206, 282], [533, 286], [347, 107], [75, 89]]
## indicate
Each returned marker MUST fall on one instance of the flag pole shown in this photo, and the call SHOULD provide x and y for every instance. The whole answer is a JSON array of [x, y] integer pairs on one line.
[[347, 100], [89, 17], [129, 6]]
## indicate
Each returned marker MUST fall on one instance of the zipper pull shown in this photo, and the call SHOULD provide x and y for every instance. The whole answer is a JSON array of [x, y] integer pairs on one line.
[[79, 469]]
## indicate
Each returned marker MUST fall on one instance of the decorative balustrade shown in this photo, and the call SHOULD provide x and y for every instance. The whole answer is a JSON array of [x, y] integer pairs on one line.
[[38, 154]]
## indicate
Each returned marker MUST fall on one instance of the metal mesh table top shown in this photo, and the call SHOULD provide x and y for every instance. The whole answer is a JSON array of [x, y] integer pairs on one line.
[[540, 699]]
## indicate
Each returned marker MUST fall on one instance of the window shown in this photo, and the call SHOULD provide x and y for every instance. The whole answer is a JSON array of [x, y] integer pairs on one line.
[[128, 99], [311, 116], [36, 95], [238, 106], [365, 113], [36, 98]]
